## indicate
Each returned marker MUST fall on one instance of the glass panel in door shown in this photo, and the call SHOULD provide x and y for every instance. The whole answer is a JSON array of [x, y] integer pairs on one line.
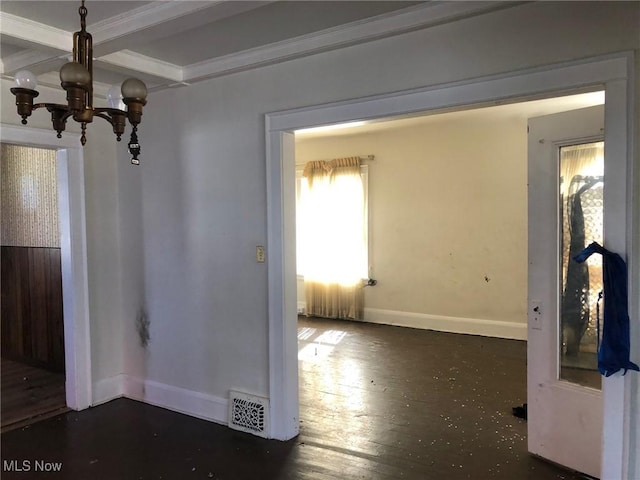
[[581, 222]]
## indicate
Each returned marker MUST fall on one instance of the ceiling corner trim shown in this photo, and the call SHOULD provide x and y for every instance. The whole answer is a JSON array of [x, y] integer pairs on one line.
[[361, 31], [144, 17], [34, 33], [132, 61]]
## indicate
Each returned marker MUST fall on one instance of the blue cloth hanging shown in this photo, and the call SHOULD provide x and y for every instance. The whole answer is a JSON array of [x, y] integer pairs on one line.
[[614, 350]]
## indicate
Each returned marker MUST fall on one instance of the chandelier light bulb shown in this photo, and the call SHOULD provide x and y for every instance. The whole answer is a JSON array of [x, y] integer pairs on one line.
[[26, 79], [114, 97], [134, 88], [76, 78], [73, 72]]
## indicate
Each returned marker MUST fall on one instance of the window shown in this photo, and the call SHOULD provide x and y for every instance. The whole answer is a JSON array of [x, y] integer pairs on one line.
[[332, 229]]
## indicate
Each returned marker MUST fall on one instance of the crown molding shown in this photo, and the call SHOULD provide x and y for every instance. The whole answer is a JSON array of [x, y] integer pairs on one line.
[[112, 34], [127, 27], [361, 31], [139, 25], [115, 30], [143, 17], [124, 61], [35, 34]]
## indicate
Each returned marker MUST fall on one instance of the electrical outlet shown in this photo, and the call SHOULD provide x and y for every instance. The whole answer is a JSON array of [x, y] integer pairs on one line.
[[535, 314], [260, 254]]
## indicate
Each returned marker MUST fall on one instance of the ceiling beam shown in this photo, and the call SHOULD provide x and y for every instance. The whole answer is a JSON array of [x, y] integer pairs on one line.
[[110, 36], [29, 33], [382, 26], [129, 62], [160, 20]]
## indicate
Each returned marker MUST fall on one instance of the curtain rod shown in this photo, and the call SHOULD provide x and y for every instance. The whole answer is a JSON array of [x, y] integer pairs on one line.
[[363, 158]]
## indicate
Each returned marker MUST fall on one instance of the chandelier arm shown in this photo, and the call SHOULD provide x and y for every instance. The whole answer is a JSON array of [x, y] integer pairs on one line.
[[61, 110], [115, 116], [49, 106], [108, 111], [76, 79], [103, 115], [59, 115], [53, 106]]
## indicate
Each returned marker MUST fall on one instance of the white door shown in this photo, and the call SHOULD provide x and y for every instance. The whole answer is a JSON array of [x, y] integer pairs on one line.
[[566, 210]]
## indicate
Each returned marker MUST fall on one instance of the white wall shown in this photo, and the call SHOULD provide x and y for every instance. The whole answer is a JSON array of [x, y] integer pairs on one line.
[[203, 180], [448, 214]]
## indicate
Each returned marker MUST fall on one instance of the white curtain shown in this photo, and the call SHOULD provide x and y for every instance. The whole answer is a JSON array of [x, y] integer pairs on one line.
[[332, 238]]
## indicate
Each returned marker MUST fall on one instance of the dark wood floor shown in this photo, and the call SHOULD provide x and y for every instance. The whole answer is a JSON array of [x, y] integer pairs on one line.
[[29, 394], [376, 402]]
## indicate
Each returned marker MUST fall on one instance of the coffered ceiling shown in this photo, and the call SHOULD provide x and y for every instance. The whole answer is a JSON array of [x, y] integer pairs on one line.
[[179, 42]]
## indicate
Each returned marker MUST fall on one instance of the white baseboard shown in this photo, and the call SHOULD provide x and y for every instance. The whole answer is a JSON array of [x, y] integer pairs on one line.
[[441, 323], [108, 389], [189, 402], [213, 408]]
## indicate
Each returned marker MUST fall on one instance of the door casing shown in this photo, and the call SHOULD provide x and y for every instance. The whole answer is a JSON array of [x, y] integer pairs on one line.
[[73, 247], [613, 73]]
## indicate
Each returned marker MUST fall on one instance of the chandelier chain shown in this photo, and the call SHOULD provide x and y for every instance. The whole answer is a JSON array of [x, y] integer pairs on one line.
[[83, 17]]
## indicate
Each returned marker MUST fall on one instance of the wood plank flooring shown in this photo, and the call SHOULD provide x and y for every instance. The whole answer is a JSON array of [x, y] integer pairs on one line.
[[29, 394], [376, 402], [405, 403]]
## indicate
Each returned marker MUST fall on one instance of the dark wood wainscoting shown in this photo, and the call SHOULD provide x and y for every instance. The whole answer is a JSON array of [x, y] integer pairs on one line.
[[32, 318]]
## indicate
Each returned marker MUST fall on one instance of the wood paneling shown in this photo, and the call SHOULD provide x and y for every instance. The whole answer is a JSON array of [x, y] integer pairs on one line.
[[32, 318]]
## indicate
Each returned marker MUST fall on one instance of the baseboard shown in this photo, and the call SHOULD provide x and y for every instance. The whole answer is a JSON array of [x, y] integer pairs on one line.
[[108, 389], [441, 323], [189, 402]]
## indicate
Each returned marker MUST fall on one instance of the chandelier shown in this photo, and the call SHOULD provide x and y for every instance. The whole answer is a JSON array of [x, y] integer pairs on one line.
[[76, 79]]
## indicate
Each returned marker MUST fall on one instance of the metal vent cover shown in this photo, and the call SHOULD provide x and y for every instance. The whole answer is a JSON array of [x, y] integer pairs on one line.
[[249, 413]]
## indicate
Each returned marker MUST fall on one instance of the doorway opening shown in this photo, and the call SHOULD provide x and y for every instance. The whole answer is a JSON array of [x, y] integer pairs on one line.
[[435, 179], [562, 79], [32, 309], [69, 177]]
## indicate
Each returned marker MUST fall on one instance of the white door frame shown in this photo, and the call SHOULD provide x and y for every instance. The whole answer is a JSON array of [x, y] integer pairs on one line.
[[73, 250], [614, 72]]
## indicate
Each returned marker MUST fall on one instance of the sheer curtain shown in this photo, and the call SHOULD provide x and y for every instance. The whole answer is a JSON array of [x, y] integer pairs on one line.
[[332, 245]]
